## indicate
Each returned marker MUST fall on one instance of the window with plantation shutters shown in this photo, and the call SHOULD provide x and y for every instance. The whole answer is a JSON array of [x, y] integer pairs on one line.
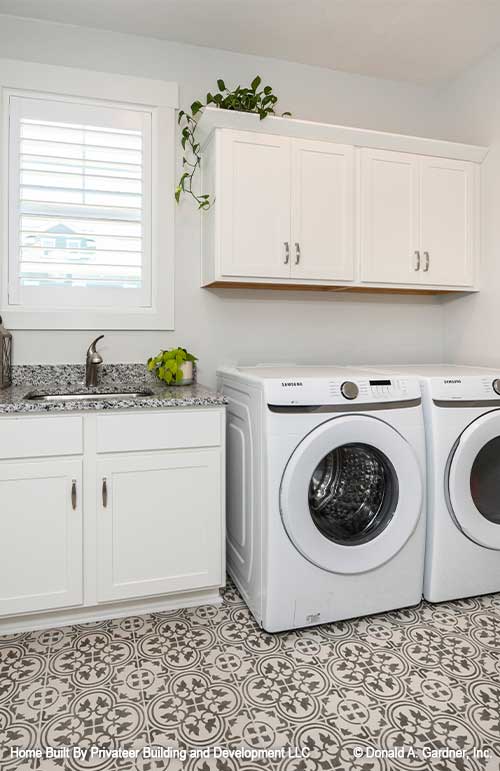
[[80, 213]]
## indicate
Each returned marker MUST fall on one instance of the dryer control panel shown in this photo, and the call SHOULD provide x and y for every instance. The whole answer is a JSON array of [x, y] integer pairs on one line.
[[340, 391], [466, 388]]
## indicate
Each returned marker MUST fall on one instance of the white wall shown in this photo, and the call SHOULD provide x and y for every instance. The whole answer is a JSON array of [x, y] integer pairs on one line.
[[230, 325], [472, 111]]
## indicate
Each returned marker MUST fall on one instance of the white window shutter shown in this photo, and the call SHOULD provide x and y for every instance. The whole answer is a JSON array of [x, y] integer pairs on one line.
[[79, 205]]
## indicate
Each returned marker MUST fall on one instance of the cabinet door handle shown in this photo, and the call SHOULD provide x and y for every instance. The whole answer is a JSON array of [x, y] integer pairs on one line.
[[104, 492], [73, 494], [297, 253], [417, 257], [427, 261], [287, 252]]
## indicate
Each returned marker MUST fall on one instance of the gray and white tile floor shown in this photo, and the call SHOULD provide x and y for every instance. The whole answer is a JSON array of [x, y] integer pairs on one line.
[[424, 677]]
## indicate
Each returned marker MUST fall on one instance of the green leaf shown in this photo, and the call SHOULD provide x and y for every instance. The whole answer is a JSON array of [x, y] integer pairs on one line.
[[196, 107], [256, 83], [221, 85], [286, 114]]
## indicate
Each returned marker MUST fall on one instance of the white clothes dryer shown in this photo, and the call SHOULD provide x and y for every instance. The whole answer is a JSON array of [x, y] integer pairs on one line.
[[462, 419], [325, 484]]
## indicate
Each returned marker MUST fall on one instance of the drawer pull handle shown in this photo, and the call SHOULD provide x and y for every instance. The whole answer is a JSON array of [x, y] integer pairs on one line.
[[297, 252], [427, 261], [104, 492], [73, 494], [417, 264]]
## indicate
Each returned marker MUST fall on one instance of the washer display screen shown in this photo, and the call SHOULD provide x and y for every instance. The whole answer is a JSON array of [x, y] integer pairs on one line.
[[353, 494]]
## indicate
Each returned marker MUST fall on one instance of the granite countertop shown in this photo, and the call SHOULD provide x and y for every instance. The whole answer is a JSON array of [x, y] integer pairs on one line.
[[70, 378]]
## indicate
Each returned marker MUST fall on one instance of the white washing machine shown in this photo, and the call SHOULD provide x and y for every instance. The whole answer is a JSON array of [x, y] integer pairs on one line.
[[462, 418], [325, 486]]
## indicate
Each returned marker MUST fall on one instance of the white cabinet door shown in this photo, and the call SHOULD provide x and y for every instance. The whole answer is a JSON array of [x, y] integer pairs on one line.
[[447, 221], [40, 535], [255, 221], [389, 217], [159, 523], [322, 210]]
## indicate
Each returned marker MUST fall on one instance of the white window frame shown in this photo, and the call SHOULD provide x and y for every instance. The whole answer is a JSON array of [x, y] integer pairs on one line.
[[160, 98]]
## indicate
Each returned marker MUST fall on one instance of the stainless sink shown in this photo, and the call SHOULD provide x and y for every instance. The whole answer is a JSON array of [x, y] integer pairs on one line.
[[47, 396]]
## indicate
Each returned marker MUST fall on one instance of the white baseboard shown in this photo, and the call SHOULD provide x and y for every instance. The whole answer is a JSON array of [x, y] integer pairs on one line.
[[33, 622]]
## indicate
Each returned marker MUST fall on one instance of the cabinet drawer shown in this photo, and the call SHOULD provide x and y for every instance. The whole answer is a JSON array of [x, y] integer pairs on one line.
[[40, 437], [159, 431]]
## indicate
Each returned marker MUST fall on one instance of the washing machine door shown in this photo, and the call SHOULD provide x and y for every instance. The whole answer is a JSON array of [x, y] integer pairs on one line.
[[351, 494], [474, 481]]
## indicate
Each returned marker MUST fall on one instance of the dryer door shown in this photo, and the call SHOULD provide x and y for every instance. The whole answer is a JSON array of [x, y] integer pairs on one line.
[[474, 481], [351, 494]]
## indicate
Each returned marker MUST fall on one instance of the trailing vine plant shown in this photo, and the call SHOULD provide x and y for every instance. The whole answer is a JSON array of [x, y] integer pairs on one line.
[[262, 102]]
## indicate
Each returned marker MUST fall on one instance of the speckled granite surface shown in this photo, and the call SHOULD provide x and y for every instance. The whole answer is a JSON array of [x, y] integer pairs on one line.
[[70, 378]]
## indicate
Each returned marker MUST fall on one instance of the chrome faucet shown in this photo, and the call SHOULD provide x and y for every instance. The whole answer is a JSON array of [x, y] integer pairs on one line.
[[94, 359]]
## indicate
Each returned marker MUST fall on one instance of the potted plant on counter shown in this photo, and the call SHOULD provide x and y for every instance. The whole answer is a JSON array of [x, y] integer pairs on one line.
[[174, 367]]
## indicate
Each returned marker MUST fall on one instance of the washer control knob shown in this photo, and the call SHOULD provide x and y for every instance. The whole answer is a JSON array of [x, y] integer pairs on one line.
[[349, 390], [496, 385]]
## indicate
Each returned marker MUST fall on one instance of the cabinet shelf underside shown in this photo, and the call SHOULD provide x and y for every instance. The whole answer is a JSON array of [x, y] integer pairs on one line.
[[327, 288]]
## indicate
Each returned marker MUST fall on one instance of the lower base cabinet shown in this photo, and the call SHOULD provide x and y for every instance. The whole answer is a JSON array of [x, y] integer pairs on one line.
[[134, 512], [40, 535], [157, 524]]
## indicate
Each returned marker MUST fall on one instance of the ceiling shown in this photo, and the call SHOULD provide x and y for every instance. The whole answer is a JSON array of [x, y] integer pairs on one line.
[[421, 41]]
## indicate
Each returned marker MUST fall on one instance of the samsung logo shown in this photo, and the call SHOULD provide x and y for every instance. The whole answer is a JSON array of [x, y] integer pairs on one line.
[[456, 380], [291, 383]]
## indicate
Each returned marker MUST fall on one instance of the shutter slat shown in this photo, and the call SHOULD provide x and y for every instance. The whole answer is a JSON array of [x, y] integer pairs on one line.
[[39, 223], [56, 158], [80, 145], [95, 211]]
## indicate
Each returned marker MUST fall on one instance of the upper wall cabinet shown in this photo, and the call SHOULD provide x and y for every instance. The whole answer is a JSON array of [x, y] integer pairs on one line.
[[322, 211], [417, 219], [376, 212], [449, 198], [388, 232], [285, 209], [253, 203]]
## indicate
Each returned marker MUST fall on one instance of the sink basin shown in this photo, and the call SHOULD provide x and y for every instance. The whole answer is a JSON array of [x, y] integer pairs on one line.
[[46, 396]]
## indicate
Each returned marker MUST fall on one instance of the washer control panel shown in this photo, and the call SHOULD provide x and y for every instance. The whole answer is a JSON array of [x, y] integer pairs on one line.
[[465, 388], [318, 391]]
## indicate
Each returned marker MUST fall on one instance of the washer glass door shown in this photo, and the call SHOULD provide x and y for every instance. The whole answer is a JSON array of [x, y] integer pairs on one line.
[[351, 494], [474, 481]]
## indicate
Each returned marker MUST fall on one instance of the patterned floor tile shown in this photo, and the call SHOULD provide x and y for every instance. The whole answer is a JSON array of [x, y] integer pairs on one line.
[[340, 697]]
